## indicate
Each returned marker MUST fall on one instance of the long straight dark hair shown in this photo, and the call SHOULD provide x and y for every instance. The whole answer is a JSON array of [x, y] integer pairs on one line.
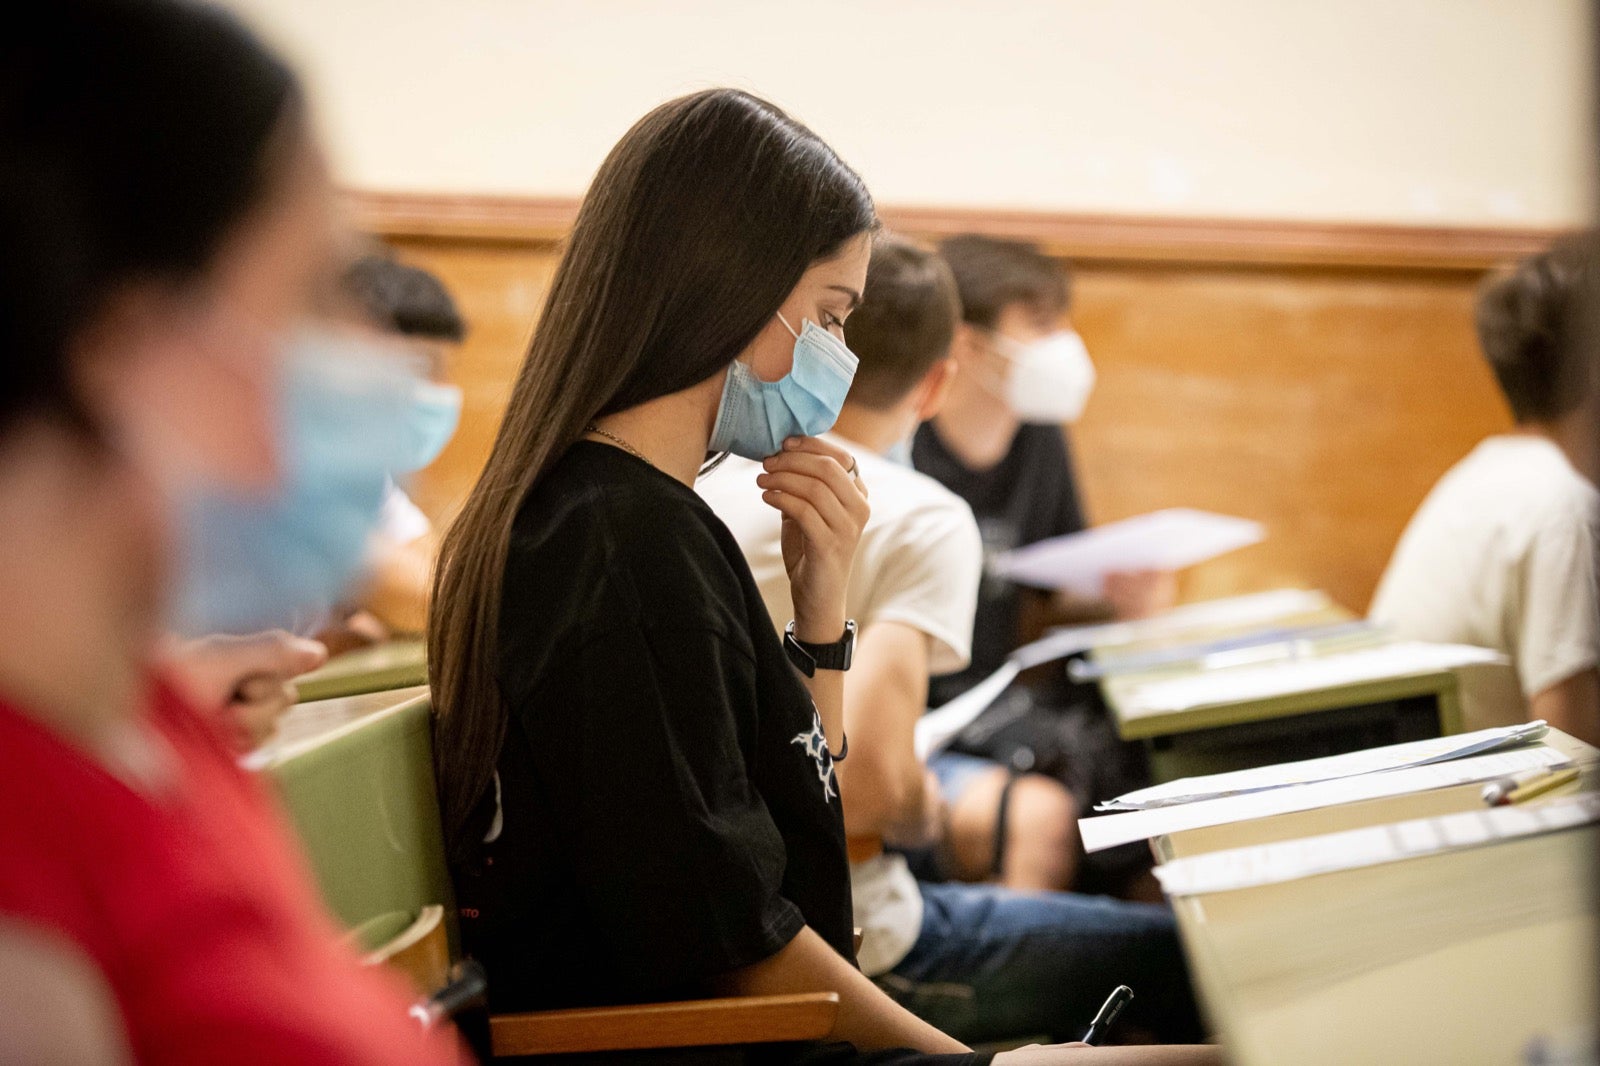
[[697, 227]]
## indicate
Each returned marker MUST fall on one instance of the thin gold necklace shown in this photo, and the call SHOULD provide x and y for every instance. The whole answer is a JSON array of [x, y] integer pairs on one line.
[[619, 442]]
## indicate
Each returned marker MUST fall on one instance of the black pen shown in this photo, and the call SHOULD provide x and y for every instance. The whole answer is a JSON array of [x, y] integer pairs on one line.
[[1120, 997]]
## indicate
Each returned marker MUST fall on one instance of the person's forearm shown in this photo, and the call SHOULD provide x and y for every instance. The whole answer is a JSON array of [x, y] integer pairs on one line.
[[868, 1018], [1572, 706]]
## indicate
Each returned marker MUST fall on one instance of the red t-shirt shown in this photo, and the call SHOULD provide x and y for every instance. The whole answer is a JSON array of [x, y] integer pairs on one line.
[[194, 904]]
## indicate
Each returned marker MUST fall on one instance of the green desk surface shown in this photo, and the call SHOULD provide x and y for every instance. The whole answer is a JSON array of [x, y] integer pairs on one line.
[[356, 778], [312, 722], [396, 664]]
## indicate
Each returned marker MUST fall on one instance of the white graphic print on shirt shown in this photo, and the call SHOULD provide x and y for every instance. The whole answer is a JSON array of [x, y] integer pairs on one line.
[[815, 744]]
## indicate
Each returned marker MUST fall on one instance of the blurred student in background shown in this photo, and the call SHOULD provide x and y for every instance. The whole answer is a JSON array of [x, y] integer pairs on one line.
[[166, 221], [1502, 552], [999, 443], [981, 962], [638, 777], [409, 305]]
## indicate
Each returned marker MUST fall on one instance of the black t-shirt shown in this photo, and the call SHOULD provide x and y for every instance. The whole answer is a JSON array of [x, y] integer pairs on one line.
[[1031, 494], [668, 809]]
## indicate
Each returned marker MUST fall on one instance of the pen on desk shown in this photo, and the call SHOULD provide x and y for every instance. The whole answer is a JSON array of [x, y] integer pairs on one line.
[[1549, 783], [1120, 997], [1514, 788]]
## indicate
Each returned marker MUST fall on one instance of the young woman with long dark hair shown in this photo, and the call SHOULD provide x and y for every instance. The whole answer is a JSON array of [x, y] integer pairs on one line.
[[636, 774]]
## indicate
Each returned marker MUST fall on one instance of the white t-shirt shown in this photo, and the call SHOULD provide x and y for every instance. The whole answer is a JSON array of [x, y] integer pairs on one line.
[[1502, 555], [401, 521], [918, 563], [919, 560]]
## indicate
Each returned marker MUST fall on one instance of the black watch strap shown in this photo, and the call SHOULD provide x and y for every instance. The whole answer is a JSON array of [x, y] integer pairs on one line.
[[809, 658]]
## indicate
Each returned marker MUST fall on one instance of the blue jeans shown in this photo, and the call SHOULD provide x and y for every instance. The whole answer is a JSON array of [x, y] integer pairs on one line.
[[996, 964]]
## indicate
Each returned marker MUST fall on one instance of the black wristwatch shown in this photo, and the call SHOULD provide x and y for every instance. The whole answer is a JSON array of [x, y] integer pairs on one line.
[[809, 658]]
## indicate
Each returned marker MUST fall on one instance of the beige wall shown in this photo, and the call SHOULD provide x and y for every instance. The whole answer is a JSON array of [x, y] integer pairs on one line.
[[1421, 111]]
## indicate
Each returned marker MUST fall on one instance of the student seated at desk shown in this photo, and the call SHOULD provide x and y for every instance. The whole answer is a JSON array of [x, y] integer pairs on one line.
[[638, 781], [410, 305], [1502, 552], [165, 216], [1024, 962], [999, 444]]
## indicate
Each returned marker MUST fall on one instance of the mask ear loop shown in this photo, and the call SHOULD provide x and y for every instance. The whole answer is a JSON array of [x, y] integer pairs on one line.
[[987, 383], [785, 321]]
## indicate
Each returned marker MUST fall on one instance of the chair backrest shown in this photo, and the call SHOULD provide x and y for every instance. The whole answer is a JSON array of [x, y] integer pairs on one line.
[[364, 806]]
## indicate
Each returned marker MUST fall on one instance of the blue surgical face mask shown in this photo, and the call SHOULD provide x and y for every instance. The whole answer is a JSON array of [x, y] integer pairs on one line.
[[756, 417], [435, 413], [251, 561]]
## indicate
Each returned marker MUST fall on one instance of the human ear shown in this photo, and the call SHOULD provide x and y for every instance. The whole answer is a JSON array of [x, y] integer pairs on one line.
[[935, 387]]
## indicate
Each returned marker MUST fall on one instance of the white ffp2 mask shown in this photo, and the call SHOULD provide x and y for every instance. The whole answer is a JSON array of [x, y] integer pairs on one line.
[[1050, 379]]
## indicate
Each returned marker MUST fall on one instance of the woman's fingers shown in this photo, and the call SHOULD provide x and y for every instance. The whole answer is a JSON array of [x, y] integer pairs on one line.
[[818, 446], [257, 704], [799, 510], [826, 469], [821, 497]]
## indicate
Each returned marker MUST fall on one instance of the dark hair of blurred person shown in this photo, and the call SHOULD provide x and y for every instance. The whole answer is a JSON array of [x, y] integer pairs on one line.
[[905, 323], [404, 299], [1529, 318], [165, 218], [993, 274]]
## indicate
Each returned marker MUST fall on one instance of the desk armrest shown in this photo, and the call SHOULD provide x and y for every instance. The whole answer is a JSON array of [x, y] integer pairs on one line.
[[697, 1023]]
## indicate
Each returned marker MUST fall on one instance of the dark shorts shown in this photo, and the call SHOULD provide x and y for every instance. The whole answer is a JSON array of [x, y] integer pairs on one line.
[[1077, 744]]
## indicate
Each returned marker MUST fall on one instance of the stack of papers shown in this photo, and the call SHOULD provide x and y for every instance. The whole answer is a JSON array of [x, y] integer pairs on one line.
[[1110, 830], [1284, 678], [938, 728], [1162, 540], [1290, 860], [1254, 647], [1372, 760]]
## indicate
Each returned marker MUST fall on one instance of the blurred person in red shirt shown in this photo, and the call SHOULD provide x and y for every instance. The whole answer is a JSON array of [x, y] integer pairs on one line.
[[167, 223]]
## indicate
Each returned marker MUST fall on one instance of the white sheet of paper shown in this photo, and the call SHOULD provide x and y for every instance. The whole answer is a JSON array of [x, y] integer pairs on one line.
[[1290, 860], [1255, 608], [1212, 687], [1162, 540], [1107, 831], [936, 729], [1370, 760]]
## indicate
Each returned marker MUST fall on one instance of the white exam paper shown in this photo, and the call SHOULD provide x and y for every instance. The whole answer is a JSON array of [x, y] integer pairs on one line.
[[1162, 540], [1108, 831], [936, 729], [1212, 687], [1370, 760], [1290, 860]]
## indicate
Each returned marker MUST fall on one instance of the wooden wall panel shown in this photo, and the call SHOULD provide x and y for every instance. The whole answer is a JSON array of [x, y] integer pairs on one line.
[[1319, 389], [1323, 404], [500, 288]]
